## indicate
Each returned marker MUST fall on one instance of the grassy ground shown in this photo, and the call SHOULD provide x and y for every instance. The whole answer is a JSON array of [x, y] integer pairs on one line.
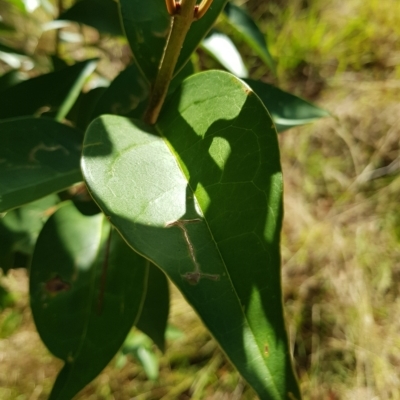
[[340, 244], [341, 253]]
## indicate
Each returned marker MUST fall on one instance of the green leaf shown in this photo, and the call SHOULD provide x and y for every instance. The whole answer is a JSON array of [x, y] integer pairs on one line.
[[200, 195], [154, 316], [244, 26], [57, 62], [20, 228], [86, 293], [100, 14], [75, 90], [186, 71], [11, 78], [147, 24], [38, 157], [128, 92], [81, 113], [126, 95], [221, 47], [56, 90], [141, 347], [287, 110]]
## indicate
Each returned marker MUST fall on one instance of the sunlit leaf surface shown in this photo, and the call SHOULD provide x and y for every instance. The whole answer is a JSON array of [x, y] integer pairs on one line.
[[200, 195]]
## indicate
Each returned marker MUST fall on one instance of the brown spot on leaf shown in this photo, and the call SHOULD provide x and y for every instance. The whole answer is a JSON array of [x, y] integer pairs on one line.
[[266, 350], [57, 285], [192, 277]]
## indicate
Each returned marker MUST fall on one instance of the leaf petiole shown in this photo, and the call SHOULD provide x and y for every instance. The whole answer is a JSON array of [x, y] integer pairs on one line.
[[184, 13]]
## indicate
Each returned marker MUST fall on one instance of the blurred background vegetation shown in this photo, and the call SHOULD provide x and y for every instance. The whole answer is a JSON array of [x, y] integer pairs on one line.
[[341, 236]]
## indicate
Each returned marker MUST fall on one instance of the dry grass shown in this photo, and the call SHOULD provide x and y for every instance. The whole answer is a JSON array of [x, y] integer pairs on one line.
[[340, 248]]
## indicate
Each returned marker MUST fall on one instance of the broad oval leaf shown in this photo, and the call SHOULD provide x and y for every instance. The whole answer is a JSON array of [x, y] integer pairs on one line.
[[100, 14], [147, 25], [38, 156], [87, 289], [200, 195], [244, 25], [287, 110], [54, 90]]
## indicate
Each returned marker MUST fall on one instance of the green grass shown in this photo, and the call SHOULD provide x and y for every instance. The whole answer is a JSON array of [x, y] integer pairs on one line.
[[334, 36]]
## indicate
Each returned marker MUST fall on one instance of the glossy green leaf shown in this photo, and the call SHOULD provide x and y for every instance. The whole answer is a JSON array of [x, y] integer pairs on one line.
[[221, 47], [100, 14], [86, 293], [287, 110], [51, 91], [20, 228], [147, 24], [248, 30], [154, 316], [38, 157], [200, 195], [128, 93]]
